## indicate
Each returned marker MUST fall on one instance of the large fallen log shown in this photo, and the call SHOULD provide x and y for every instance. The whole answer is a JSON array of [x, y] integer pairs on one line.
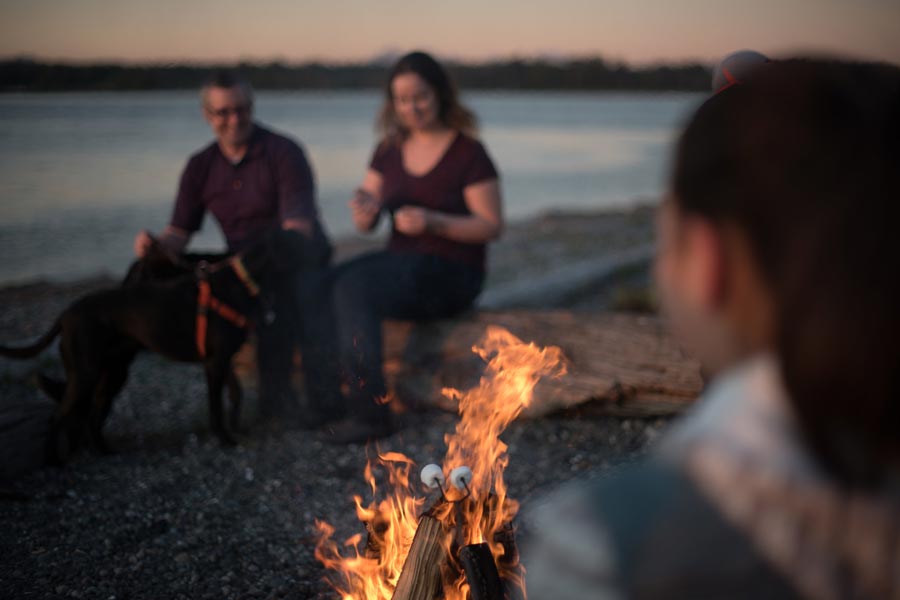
[[619, 364]]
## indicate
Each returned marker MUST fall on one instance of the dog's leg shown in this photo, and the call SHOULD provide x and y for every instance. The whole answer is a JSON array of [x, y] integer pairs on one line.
[[80, 361], [110, 385], [216, 372], [67, 427], [58, 447], [235, 397]]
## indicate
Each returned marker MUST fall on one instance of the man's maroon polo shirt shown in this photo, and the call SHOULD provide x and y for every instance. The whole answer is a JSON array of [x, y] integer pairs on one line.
[[273, 182]]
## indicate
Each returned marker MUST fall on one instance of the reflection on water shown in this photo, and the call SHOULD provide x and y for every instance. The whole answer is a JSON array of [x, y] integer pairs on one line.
[[81, 173]]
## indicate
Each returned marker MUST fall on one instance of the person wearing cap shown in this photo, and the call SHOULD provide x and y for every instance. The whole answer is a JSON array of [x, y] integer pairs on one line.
[[736, 67], [253, 180]]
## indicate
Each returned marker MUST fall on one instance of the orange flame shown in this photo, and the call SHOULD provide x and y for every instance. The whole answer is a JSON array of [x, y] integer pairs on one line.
[[372, 573], [506, 388]]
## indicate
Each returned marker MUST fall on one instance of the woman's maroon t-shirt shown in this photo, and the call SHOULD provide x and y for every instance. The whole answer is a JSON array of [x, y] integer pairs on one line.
[[465, 162]]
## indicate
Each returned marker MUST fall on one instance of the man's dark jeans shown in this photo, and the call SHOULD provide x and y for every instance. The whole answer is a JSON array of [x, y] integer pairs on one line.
[[384, 285], [301, 304]]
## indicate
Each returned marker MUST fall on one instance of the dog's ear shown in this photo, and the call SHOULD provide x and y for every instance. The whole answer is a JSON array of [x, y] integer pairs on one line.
[[277, 251], [142, 269], [156, 252], [154, 247]]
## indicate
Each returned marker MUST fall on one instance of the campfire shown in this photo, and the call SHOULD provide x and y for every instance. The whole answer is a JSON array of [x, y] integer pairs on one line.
[[447, 531]]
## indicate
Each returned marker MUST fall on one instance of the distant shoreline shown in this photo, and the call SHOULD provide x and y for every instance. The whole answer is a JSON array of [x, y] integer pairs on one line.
[[589, 74]]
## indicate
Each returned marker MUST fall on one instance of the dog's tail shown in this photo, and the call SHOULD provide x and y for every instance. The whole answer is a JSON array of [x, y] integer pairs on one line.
[[35, 348]]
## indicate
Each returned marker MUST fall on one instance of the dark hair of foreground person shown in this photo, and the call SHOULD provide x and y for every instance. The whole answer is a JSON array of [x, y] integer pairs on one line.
[[805, 160], [777, 267]]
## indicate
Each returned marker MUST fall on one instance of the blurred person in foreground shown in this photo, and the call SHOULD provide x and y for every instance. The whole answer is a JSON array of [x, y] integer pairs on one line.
[[436, 183], [778, 268], [254, 180]]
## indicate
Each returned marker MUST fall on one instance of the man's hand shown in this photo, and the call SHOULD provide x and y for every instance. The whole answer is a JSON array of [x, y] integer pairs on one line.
[[412, 220], [142, 243], [301, 225], [172, 239]]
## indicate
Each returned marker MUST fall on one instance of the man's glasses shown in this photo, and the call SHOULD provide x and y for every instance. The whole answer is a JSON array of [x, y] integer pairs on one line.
[[241, 110]]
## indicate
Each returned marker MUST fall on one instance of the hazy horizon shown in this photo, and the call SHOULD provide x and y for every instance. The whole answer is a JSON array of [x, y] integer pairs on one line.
[[353, 31], [383, 57]]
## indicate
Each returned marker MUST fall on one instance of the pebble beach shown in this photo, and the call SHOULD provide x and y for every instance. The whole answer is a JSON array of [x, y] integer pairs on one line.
[[173, 515]]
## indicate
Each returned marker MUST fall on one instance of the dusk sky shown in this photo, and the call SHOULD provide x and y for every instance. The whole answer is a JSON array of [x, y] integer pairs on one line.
[[637, 31]]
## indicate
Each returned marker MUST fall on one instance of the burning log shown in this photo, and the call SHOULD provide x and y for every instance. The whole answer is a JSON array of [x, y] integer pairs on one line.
[[463, 547], [428, 565], [514, 582], [481, 572], [421, 577]]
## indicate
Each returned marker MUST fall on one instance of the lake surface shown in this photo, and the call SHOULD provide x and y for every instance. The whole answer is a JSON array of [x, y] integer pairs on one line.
[[81, 173]]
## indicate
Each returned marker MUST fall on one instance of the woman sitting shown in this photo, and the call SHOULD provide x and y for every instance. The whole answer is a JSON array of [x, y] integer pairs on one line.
[[441, 191]]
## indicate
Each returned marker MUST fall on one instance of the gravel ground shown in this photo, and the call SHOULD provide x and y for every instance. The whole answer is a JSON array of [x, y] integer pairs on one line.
[[174, 515]]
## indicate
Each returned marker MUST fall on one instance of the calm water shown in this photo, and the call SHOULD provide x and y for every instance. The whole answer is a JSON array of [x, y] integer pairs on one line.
[[80, 174]]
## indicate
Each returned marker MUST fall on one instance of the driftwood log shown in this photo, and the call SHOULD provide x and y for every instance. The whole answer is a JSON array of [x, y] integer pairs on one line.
[[620, 364]]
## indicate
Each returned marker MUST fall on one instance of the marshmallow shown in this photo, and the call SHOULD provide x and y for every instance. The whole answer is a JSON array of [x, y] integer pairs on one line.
[[432, 476], [460, 477]]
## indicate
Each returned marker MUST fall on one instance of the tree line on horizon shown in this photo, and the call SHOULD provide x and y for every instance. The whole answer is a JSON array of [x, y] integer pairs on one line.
[[27, 75]]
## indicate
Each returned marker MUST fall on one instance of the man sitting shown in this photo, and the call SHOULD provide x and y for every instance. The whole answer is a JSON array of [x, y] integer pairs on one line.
[[252, 180]]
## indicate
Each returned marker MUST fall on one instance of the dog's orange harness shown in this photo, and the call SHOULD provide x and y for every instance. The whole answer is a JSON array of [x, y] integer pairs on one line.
[[206, 302]]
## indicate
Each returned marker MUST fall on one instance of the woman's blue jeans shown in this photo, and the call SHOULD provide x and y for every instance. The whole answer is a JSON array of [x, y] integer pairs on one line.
[[386, 285]]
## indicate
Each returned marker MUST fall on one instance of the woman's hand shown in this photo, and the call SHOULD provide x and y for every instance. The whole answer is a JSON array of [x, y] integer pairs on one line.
[[483, 224], [412, 220], [364, 208]]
